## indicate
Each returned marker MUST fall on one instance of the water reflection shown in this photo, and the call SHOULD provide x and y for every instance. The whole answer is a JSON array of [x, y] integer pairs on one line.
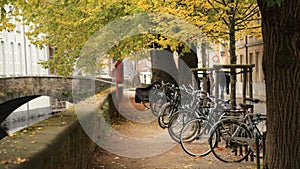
[[30, 113], [22, 119]]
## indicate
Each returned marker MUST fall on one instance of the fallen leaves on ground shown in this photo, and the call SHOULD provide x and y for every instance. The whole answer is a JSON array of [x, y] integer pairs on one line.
[[21, 160], [196, 158], [17, 160], [4, 162], [188, 166], [12, 135]]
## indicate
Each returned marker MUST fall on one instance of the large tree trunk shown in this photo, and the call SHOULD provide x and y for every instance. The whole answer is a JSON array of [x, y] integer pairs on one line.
[[281, 63], [185, 63], [164, 66]]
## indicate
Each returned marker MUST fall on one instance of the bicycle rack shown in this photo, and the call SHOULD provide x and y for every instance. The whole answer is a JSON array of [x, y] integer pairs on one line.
[[257, 149]]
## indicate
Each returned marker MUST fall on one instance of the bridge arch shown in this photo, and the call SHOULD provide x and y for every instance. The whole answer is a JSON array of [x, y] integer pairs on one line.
[[16, 91], [53, 86]]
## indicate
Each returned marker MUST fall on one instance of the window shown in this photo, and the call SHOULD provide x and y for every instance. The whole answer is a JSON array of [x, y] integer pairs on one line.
[[13, 60], [2, 59], [20, 59], [30, 60], [241, 62], [257, 67], [251, 58]]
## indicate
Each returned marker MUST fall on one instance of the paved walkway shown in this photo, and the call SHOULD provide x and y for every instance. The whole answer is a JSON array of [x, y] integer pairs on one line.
[[138, 142]]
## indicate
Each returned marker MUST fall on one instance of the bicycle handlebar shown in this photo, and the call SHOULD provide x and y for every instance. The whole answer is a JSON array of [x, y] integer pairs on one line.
[[252, 100]]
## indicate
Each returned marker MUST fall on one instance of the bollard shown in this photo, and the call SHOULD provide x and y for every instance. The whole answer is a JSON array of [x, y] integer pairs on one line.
[[257, 151], [264, 145]]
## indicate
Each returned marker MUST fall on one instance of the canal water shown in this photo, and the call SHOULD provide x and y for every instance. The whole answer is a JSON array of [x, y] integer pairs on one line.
[[28, 114], [18, 122]]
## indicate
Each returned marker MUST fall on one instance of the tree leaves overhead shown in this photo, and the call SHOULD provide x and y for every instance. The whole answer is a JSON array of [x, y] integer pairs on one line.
[[213, 17], [5, 16], [128, 34], [66, 25]]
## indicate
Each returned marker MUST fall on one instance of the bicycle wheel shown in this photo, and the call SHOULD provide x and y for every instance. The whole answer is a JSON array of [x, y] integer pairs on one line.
[[157, 99], [233, 141], [164, 115], [177, 121], [194, 137]]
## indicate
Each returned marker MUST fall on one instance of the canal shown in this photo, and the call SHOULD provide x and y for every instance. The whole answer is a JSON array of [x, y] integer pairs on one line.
[[30, 113]]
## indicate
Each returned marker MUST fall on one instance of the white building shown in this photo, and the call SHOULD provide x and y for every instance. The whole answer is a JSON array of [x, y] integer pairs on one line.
[[145, 77], [18, 57]]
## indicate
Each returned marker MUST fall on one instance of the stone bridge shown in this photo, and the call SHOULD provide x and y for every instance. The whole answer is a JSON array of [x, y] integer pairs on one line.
[[15, 91]]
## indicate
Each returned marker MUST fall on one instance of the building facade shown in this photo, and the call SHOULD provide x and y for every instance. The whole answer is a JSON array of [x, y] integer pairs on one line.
[[250, 51], [18, 57]]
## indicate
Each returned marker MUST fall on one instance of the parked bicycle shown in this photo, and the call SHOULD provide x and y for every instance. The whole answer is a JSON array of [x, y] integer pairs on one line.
[[235, 134], [167, 110], [193, 107], [195, 134]]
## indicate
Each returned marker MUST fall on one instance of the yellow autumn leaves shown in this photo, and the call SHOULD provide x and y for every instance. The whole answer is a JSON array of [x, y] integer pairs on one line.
[[67, 25]]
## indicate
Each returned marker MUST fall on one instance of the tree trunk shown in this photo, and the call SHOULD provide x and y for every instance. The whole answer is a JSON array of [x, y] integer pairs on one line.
[[281, 63], [204, 60], [185, 63], [232, 52], [163, 66]]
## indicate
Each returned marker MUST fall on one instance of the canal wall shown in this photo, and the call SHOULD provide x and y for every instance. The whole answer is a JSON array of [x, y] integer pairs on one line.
[[59, 142]]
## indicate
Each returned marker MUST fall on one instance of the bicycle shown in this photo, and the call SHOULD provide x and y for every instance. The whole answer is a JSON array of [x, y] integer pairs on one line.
[[157, 97], [195, 134], [168, 108], [188, 110], [236, 134]]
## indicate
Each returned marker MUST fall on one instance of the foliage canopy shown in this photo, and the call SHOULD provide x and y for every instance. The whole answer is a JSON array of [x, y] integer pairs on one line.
[[68, 25]]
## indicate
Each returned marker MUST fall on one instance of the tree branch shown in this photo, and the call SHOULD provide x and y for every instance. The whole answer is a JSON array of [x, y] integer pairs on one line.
[[211, 4], [222, 3], [244, 13], [235, 8], [248, 20], [246, 28], [245, 18]]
